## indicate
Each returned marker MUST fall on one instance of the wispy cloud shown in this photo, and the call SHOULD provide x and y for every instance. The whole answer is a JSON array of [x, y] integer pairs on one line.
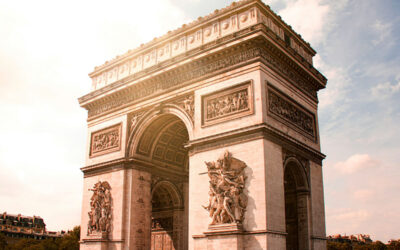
[[45, 56], [312, 27], [384, 90], [356, 163], [383, 32]]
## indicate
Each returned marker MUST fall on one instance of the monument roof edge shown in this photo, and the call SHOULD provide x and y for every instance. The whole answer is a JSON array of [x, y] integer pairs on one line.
[[194, 24]]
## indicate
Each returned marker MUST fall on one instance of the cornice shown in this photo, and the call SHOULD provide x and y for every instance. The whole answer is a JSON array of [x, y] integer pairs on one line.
[[134, 162], [252, 133], [199, 22], [255, 49]]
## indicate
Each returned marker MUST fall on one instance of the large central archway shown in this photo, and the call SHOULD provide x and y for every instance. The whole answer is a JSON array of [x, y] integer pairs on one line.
[[159, 144]]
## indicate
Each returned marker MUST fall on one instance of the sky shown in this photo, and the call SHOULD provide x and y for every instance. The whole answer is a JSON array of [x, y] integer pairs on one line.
[[47, 49]]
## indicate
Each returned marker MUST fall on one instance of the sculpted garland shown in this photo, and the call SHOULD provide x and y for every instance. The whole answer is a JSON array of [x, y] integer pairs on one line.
[[227, 203]]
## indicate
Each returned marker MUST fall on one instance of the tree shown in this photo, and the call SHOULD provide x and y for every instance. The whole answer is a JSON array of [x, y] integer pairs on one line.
[[70, 241], [378, 245], [3, 242], [338, 246], [394, 245]]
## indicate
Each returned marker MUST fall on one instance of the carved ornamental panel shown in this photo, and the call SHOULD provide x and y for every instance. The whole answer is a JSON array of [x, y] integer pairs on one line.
[[106, 140], [100, 214], [187, 104], [227, 202], [284, 108], [227, 104]]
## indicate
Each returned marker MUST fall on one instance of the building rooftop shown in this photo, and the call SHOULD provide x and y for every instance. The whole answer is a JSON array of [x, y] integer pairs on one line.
[[205, 30]]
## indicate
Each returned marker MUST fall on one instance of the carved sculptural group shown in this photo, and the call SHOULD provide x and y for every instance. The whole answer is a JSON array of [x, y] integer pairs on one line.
[[227, 202], [100, 209], [227, 104], [290, 112], [104, 141]]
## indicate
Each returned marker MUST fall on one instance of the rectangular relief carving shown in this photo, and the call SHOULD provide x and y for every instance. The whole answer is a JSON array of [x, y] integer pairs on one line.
[[227, 104], [290, 113], [106, 140]]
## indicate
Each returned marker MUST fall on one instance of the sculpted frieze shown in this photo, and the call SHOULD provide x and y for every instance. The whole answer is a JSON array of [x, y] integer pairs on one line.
[[284, 108], [106, 140], [228, 104], [227, 202], [100, 214], [196, 70]]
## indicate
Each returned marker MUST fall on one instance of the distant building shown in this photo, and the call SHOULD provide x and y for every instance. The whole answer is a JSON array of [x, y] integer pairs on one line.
[[359, 238], [19, 226]]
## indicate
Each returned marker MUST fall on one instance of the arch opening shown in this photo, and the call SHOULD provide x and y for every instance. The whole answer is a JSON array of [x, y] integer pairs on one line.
[[159, 145], [166, 217], [296, 206], [162, 143]]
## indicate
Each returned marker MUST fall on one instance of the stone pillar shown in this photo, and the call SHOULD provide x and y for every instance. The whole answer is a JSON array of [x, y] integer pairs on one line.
[[138, 218], [185, 215], [318, 235], [275, 196], [302, 218], [177, 229]]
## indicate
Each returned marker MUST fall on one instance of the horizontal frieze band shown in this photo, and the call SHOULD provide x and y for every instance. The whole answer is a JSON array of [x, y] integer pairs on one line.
[[248, 52]]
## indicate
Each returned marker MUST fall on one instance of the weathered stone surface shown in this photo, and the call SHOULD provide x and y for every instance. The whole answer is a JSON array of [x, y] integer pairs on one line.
[[208, 139]]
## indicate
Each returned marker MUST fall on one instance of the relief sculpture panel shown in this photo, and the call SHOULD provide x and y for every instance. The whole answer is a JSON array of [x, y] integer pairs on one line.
[[228, 104], [284, 108], [227, 202], [106, 140], [100, 215]]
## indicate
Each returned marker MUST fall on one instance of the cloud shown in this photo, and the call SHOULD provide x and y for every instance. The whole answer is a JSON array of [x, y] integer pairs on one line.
[[383, 32], [353, 215], [46, 54], [384, 90], [312, 27], [337, 87], [347, 220], [356, 163]]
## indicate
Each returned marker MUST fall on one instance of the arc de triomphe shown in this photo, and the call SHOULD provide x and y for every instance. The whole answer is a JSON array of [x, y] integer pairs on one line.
[[207, 138]]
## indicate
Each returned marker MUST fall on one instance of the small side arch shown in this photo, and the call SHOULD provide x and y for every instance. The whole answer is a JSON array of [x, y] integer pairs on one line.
[[166, 187], [297, 209], [298, 171]]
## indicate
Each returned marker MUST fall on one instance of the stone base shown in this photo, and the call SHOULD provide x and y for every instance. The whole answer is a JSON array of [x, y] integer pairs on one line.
[[97, 236], [230, 228], [93, 245], [220, 237]]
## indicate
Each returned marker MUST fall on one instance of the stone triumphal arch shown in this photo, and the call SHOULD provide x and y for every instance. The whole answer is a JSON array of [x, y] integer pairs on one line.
[[207, 138]]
